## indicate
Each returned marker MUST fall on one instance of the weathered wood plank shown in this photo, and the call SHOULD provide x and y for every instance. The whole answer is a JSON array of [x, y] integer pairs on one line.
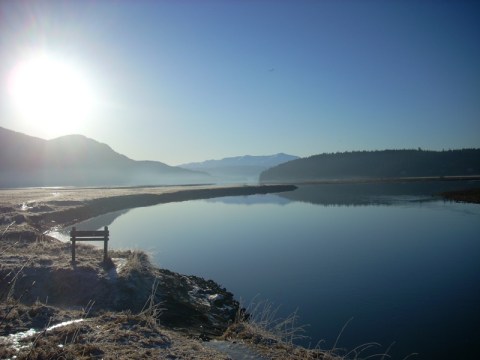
[[91, 239], [84, 233]]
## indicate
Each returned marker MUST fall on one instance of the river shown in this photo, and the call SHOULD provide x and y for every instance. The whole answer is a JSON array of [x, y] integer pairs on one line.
[[399, 266]]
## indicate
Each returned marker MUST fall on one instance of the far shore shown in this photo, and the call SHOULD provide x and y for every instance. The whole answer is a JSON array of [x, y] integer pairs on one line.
[[467, 196], [40, 209], [375, 180]]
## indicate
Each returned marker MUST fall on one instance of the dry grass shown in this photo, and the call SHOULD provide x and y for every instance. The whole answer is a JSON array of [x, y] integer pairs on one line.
[[274, 337], [103, 334], [109, 336], [152, 310], [138, 262], [263, 316]]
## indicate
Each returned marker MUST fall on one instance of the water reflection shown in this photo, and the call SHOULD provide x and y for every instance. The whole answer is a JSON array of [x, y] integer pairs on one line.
[[374, 193], [100, 221], [252, 200], [96, 223], [405, 266]]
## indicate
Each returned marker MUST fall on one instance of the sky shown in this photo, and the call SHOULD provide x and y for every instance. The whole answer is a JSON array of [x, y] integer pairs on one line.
[[183, 81]]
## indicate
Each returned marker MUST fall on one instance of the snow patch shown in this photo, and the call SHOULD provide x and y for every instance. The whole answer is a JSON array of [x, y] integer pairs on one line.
[[13, 340]]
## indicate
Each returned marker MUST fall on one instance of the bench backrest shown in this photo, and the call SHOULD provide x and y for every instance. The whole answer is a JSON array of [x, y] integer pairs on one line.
[[90, 235]]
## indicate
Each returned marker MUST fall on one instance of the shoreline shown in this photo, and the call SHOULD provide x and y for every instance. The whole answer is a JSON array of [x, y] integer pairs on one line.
[[375, 180], [40, 209], [471, 196], [151, 312]]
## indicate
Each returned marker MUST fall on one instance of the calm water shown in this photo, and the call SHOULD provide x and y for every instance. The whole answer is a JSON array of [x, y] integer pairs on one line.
[[404, 266]]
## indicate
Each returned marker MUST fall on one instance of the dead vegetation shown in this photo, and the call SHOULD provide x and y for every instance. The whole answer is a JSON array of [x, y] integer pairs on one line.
[[273, 337], [122, 304], [111, 335]]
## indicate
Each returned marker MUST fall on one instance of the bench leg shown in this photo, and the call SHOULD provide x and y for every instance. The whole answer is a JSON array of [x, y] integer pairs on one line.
[[73, 250], [105, 251]]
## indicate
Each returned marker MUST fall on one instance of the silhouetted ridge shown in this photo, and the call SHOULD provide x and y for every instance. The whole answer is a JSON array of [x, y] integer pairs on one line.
[[376, 164], [75, 160], [239, 168]]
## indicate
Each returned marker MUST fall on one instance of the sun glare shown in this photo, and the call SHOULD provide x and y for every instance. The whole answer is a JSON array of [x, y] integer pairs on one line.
[[50, 94]]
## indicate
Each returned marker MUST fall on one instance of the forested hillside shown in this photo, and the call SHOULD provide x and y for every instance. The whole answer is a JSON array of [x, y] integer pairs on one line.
[[376, 164]]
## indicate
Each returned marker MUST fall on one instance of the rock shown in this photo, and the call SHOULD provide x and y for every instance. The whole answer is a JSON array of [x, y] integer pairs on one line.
[[192, 303], [20, 219]]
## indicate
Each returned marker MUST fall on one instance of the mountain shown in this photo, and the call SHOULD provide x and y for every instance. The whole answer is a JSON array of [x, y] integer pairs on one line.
[[75, 160], [376, 164], [240, 168]]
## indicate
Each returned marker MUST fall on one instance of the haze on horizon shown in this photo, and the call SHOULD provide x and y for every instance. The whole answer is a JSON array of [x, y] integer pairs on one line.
[[189, 81]]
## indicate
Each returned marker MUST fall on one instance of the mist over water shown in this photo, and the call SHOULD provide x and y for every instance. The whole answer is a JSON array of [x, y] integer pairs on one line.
[[402, 264]]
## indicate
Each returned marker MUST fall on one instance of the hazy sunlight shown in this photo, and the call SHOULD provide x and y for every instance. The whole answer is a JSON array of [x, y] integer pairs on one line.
[[51, 94]]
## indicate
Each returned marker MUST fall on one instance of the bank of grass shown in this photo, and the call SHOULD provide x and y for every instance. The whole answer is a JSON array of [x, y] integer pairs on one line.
[[101, 333], [274, 337], [111, 335]]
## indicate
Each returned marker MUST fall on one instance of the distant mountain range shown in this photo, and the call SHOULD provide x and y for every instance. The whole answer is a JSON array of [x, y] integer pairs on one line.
[[360, 165], [240, 168], [76, 160]]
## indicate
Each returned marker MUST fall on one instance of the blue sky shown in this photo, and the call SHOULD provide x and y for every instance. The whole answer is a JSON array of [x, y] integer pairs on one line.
[[181, 81]]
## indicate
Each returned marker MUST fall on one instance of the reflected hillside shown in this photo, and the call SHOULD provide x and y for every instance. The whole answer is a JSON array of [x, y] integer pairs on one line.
[[100, 221], [95, 223], [362, 194], [252, 200]]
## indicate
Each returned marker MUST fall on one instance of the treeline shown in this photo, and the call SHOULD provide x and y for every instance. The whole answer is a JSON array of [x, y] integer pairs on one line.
[[377, 164]]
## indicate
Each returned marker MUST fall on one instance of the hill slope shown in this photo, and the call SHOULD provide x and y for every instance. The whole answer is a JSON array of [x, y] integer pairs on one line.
[[75, 160], [240, 168], [376, 164]]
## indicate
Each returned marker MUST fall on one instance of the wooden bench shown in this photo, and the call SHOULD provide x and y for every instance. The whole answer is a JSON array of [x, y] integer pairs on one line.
[[90, 235]]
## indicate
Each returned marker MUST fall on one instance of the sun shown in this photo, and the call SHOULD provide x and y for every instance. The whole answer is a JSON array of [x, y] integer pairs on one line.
[[50, 94]]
